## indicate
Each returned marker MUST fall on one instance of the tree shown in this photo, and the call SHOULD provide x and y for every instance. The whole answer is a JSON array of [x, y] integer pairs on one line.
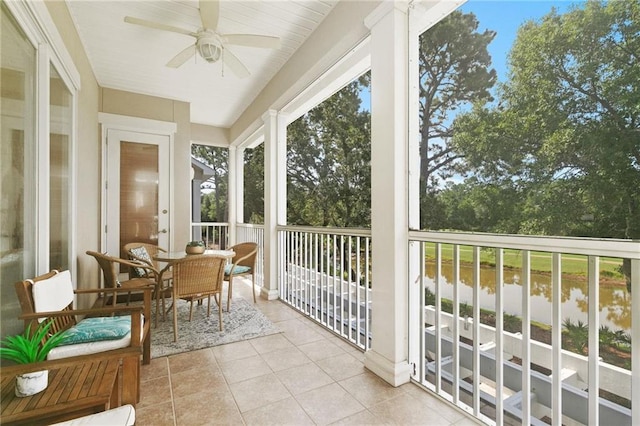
[[454, 73], [567, 124], [328, 162], [217, 159], [254, 185], [477, 206]]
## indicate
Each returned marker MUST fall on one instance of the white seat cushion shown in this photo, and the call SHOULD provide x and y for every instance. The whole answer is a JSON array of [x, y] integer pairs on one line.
[[124, 416]]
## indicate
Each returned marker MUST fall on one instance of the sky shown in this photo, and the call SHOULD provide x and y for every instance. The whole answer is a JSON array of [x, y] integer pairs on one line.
[[505, 17]]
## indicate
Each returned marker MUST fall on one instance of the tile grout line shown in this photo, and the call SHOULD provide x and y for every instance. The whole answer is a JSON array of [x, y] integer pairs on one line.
[[173, 404]]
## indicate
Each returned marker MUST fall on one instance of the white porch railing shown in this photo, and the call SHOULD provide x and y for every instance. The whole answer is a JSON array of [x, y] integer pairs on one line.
[[325, 274], [214, 234], [500, 376]]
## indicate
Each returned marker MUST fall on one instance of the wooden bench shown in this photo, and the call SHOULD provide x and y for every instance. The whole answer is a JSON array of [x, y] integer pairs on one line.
[[140, 336], [77, 387]]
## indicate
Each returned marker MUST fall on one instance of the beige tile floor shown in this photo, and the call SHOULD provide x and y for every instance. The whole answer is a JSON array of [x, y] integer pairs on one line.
[[302, 376]]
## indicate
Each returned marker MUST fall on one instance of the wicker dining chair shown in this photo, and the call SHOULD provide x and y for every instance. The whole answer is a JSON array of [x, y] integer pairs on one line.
[[109, 266], [244, 263], [145, 253], [195, 278]]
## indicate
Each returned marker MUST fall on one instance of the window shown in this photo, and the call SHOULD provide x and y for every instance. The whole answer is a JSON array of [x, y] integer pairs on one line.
[[60, 112], [36, 155], [17, 163]]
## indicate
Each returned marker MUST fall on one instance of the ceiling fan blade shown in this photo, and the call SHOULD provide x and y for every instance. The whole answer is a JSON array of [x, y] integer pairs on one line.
[[252, 40], [158, 26], [209, 14], [182, 57], [234, 63]]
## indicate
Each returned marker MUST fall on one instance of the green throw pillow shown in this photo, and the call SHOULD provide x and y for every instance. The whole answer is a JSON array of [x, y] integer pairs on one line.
[[98, 329]]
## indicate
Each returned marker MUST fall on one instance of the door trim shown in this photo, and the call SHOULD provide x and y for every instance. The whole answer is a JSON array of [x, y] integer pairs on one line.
[[111, 122]]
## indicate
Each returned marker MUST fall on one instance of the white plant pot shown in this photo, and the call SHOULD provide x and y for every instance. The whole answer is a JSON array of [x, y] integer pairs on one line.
[[31, 383]]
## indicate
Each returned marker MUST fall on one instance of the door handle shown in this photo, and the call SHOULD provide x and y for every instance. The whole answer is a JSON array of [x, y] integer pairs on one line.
[[164, 231]]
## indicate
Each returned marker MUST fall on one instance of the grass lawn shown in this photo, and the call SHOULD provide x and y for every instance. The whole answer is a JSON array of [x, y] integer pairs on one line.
[[540, 261]]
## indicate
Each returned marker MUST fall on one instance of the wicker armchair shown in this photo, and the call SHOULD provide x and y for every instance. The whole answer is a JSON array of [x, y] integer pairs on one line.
[[109, 266], [146, 253], [195, 278], [244, 263]]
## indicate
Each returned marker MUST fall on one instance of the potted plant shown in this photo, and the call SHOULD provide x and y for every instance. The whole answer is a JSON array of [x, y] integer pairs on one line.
[[28, 348], [195, 247]]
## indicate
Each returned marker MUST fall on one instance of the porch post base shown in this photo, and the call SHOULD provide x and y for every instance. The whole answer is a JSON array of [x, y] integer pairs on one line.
[[395, 374], [269, 294]]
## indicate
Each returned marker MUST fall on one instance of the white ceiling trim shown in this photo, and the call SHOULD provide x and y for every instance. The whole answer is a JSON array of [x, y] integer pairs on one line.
[[424, 14], [136, 124]]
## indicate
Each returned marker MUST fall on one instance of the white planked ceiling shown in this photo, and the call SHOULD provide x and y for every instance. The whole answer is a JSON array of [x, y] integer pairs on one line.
[[133, 58]]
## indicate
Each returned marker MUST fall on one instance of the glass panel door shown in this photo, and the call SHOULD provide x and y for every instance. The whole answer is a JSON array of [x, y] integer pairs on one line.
[[137, 190], [138, 194], [18, 169]]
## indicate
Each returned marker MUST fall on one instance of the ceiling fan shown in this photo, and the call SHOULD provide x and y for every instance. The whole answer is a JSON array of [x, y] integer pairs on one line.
[[210, 44]]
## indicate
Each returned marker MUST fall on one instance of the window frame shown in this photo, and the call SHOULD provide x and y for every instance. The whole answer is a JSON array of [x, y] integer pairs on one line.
[[35, 21]]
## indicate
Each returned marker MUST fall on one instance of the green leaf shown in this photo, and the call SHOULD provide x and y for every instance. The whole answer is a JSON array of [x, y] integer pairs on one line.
[[26, 348]]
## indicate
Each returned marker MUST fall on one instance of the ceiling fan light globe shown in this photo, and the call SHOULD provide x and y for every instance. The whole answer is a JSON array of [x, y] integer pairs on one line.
[[209, 50]]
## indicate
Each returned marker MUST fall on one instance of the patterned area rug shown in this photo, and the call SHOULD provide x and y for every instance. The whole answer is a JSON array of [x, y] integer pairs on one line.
[[242, 323]]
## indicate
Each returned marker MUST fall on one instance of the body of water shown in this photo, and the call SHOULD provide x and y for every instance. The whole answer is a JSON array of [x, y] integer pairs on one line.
[[615, 301]]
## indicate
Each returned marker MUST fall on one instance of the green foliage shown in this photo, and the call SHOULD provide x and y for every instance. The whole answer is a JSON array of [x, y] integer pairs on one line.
[[254, 185], [454, 73], [478, 206], [328, 162], [578, 334], [561, 143], [511, 323], [198, 243], [214, 198], [27, 348]]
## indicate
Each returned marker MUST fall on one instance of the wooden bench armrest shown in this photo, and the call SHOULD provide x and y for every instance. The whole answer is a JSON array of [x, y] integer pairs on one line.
[[65, 362]]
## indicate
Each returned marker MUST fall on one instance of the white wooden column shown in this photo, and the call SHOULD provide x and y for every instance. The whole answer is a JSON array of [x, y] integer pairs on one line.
[[389, 212], [275, 196], [232, 194], [239, 173]]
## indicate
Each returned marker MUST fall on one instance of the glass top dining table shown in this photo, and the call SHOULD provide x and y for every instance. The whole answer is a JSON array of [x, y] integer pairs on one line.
[[172, 256]]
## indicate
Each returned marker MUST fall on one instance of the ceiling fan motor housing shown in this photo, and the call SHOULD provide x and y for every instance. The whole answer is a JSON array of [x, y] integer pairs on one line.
[[209, 47]]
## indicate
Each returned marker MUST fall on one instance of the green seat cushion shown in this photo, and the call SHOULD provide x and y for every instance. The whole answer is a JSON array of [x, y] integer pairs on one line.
[[98, 329], [238, 269]]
